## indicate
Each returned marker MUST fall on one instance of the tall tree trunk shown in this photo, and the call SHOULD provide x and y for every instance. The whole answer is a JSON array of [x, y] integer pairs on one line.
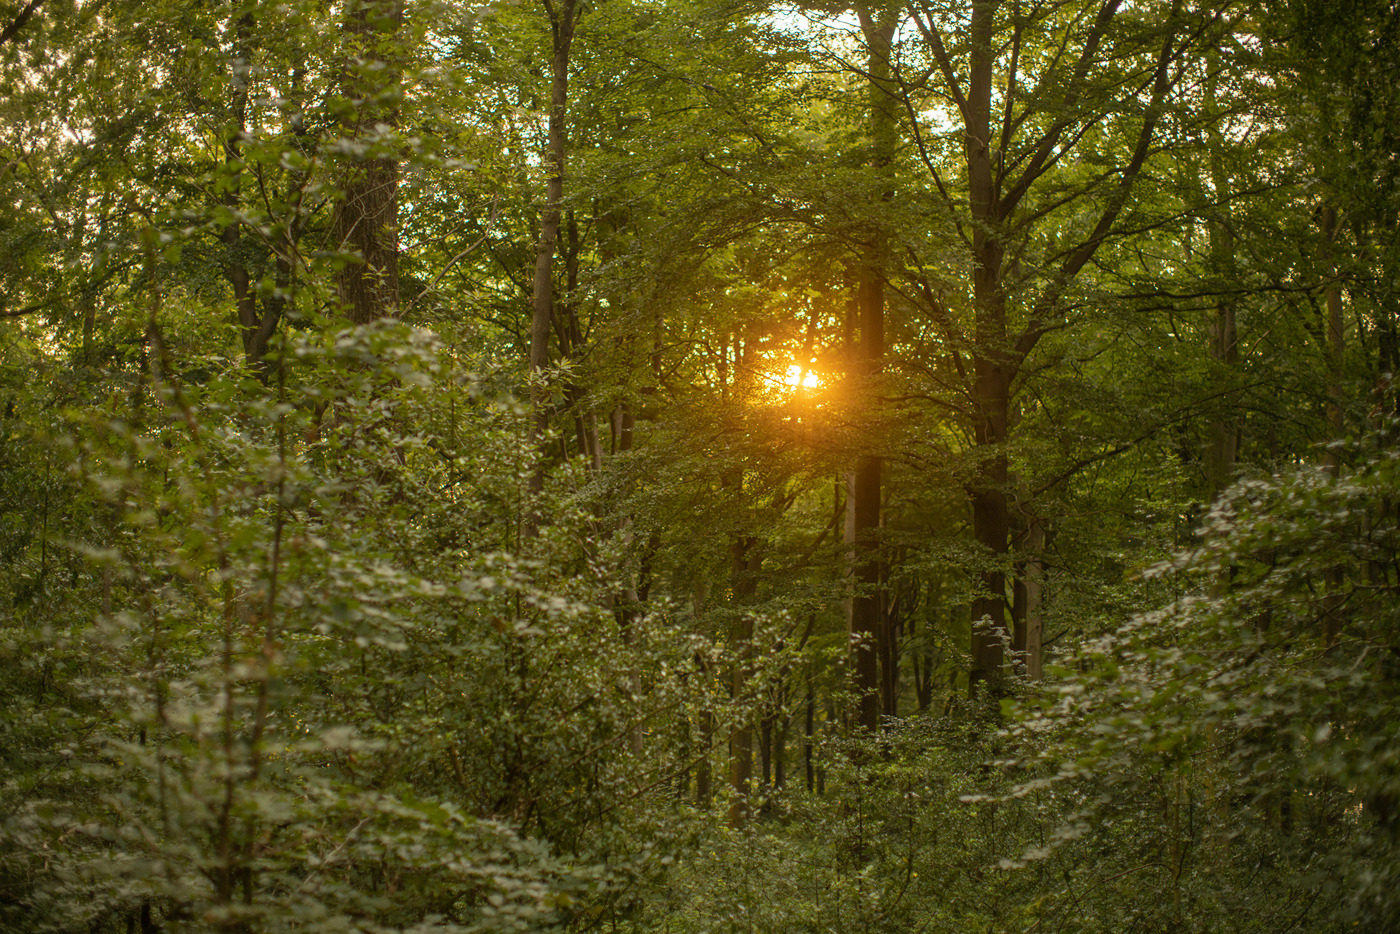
[[235, 263], [992, 364], [366, 221], [997, 358], [1223, 450], [561, 24], [1335, 337], [864, 618]]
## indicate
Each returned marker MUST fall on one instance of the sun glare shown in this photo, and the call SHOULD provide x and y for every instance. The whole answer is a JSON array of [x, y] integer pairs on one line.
[[797, 376]]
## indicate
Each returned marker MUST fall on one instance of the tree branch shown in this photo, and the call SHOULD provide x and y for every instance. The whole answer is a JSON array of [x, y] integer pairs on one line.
[[945, 63], [19, 21], [1038, 164]]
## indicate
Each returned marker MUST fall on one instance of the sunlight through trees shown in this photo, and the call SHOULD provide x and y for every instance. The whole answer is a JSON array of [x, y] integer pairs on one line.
[[699, 466]]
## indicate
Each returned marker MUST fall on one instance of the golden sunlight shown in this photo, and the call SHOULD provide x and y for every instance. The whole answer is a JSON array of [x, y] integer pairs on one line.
[[797, 376]]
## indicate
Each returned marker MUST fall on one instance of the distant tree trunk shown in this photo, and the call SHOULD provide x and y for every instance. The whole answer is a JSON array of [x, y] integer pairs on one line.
[[569, 332], [235, 268], [830, 708], [1387, 353], [147, 919], [1223, 446], [366, 221], [863, 524], [1223, 450], [780, 743], [256, 329], [1332, 461], [765, 751], [1336, 325], [923, 670], [627, 603], [921, 643], [703, 789], [1028, 599], [891, 628], [809, 718], [686, 749], [745, 562]]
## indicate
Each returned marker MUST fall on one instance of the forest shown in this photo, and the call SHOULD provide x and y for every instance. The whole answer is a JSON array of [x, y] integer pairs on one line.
[[700, 466]]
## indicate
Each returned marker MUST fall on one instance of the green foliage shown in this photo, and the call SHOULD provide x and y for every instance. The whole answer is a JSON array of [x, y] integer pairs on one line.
[[378, 629], [1266, 695]]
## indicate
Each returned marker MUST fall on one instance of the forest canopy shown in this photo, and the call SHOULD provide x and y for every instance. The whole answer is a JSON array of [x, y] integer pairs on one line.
[[699, 466]]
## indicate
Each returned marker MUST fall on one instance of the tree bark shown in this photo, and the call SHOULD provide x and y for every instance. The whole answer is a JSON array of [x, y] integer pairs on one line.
[[235, 263], [1035, 132], [366, 221], [1335, 338], [561, 23], [1223, 451], [864, 616], [992, 368], [16, 24], [1028, 600]]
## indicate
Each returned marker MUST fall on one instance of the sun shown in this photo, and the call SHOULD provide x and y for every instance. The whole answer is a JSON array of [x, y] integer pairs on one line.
[[800, 376]]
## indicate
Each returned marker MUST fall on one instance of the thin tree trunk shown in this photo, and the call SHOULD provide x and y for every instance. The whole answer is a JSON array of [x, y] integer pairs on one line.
[[1018, 594], [1032, 636], [923, 670], [1224, 429], [891, 626], [1332, 461], [765, 752], [686, 750], [235, 265], [780, 741], [745, 563], [1223, 451], [808, 726], [1335, 336], [830, 709], [703, 790]]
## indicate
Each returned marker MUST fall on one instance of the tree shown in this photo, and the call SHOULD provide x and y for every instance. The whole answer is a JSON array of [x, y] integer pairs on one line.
[[428, 431], [366, 219], [1030, 88]]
